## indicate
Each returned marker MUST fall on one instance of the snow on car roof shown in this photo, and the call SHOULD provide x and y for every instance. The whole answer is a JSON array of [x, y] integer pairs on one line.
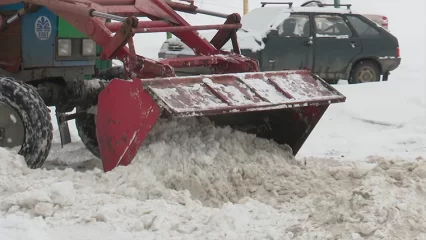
[[266, 18], [261, 19], [257, 23]]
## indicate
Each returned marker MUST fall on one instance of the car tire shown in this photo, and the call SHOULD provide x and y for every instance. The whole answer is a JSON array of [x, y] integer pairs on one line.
[[25, 121], [365, 71]]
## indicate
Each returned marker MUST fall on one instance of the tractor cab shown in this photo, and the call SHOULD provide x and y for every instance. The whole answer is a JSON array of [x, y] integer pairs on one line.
[[42, 45]]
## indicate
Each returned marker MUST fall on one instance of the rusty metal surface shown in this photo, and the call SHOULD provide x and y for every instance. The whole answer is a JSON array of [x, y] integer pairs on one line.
[[10, 45], [187, 28], [216, 94]]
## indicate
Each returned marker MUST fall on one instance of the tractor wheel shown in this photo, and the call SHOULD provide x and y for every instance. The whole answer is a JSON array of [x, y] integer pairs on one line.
[[86, 123], [25, 121], [364, 72], [86, 127]]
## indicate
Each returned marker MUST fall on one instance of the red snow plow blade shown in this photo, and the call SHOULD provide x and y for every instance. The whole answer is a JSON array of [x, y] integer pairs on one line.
[[281, 106]]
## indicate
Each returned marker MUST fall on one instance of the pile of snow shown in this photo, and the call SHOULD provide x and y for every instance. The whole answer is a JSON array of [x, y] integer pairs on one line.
[[194, 180], [216, 165], [201, 182]]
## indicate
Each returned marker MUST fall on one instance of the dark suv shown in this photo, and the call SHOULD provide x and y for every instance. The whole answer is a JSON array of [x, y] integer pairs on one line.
[[334, 43]]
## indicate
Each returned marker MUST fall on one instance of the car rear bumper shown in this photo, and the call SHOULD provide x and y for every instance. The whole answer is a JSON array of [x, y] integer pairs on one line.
[[389, 64]]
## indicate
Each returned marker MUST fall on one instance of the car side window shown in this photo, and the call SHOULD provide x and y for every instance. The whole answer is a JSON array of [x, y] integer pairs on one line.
[[331, 26], [296, 25], [361, 27]]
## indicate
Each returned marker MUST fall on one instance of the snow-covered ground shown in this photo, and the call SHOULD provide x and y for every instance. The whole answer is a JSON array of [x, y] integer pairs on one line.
[[361, 174]]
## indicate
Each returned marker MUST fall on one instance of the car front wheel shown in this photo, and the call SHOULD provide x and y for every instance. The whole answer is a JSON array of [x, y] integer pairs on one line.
[[365, 71]]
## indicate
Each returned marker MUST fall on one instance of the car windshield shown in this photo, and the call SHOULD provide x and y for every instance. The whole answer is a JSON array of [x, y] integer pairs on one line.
[[262, 19]]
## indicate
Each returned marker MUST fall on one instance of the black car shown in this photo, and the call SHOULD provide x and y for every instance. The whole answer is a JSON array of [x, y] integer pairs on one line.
[[334, 43]]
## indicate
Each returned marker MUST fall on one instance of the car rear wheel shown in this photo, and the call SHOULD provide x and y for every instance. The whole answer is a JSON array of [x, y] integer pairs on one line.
[[365, 71]]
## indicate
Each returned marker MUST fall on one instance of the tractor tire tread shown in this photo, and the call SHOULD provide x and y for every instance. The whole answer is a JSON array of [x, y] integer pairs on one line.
[[86, 123], [86, 128], [36, 119]]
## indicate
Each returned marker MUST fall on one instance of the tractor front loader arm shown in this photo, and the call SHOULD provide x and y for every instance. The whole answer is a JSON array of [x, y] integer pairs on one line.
[[283, 106], [89, 17]]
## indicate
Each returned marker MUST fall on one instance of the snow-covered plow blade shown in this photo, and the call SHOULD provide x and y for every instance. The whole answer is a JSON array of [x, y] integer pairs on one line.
[[282, 106]]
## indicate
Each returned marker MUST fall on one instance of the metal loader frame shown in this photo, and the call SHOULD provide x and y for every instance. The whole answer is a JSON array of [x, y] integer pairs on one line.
[[128, 109]]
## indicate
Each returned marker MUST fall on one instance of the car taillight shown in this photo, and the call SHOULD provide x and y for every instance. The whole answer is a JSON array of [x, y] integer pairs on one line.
[[385, 21], [398, 54]]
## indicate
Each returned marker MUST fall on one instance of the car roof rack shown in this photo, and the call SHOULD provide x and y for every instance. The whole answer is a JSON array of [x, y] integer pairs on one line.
[[320, 4], [287, 3], [348, 6]]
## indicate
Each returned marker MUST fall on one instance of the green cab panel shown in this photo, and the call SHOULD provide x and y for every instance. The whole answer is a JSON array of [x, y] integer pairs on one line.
[[66, 30]]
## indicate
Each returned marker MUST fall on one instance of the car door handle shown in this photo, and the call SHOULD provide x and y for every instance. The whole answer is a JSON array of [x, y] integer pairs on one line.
[[353, 44], [308, 43]]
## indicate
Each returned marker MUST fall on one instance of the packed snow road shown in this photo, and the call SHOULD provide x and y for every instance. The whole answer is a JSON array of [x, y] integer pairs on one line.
[[194, 181], [360, 175]]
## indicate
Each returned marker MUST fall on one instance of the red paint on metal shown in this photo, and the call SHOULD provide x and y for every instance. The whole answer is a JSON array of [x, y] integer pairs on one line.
[[243, 92], [114, 2], [102, 36], [224, 63], [305, 120], [7, 2], [191, 38], [155, 12], [187, 28], [182, 7], [283, 91], [234, 40], [77, 14], [218, 94], [126, 114], [223, 35], [10, 45], [127, 110], [116, 43], [74, 8], [115, 26], [124, 11]]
